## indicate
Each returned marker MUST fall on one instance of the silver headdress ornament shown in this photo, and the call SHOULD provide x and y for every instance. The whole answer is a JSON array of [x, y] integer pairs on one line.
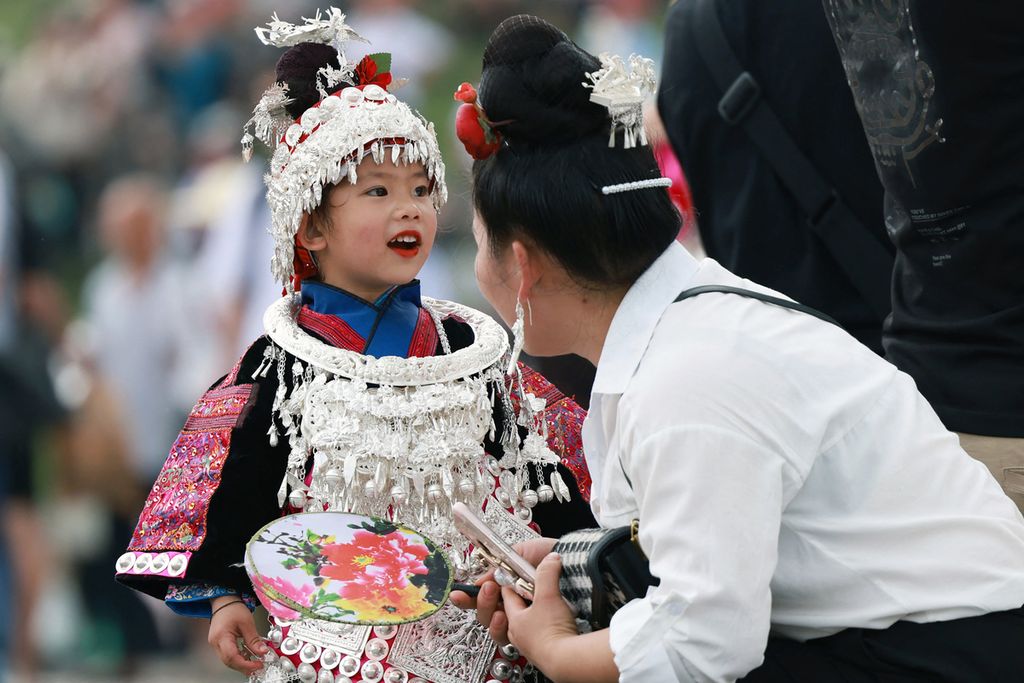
[[331, 138], [623, 93]]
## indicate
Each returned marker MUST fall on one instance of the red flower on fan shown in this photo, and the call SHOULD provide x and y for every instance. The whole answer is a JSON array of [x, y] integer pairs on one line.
[[371, 564], [367, 73], [472, 127]]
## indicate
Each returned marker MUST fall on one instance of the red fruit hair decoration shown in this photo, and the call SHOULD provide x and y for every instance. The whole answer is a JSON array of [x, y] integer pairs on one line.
[[472, 126]]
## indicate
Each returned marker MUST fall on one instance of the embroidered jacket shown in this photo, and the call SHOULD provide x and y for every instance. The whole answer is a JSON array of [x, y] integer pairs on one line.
[[221, 480]]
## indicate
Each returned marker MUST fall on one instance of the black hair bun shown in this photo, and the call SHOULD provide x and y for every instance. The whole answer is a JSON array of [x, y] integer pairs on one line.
[[297, 68], [532, 78]]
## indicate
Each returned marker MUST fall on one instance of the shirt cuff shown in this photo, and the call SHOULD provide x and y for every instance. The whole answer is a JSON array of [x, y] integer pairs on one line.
[[193, 599], [637, 636]]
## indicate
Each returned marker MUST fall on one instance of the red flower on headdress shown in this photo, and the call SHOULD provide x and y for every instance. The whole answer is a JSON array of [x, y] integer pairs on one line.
[[367, 73], [473, 127]]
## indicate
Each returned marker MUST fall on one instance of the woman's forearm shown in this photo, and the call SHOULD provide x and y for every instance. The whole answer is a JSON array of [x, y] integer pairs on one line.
[[584, 658]]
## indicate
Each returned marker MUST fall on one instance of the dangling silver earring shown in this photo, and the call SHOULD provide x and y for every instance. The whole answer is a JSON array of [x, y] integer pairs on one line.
[[518, 335]]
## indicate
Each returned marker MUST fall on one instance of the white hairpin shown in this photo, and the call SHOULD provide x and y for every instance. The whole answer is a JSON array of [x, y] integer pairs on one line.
[[623, 93], [637, 185]]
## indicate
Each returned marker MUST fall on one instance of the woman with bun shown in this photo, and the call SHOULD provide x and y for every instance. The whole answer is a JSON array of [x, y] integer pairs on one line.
[[362, 397], [808, 516]]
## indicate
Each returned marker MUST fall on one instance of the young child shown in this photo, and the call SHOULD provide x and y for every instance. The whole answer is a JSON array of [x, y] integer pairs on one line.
[[362, 397]]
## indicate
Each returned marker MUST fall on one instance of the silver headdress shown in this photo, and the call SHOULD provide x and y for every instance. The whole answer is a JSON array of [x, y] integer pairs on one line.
[[330, 139], [623, 93]]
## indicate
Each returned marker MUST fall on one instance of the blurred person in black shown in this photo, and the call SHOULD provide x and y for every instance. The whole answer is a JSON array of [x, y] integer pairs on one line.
[[27, 406], [939, 87], [749, 218]]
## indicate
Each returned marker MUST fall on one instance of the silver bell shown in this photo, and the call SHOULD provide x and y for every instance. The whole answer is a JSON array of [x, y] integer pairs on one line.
[[398, 494], [545, 493], [333, 478], [297, 499]]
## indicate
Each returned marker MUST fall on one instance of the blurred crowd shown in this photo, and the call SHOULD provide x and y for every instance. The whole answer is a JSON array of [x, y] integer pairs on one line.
[[134, 270]]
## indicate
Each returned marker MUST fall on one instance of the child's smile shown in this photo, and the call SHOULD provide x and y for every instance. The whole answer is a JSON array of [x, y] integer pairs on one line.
[[406, 243]]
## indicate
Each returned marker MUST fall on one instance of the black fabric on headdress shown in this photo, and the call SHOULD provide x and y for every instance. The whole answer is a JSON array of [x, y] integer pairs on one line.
[[298, 67], [532, 79]]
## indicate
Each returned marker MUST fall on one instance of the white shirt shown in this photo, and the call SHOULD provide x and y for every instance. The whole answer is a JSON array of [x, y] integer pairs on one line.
[[786, 480]]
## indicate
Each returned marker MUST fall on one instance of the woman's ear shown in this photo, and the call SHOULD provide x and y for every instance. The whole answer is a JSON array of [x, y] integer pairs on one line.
[[310, 235], [530, 266]]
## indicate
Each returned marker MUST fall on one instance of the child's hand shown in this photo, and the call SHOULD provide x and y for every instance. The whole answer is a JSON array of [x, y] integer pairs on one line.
[[231, 622]]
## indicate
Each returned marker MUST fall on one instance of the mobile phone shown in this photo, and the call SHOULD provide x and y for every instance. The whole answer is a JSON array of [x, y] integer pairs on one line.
[[510, 568]]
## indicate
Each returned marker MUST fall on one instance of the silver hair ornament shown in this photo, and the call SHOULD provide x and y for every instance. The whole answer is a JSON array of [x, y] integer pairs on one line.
[[623, 92], [330, 30], [270, 118]]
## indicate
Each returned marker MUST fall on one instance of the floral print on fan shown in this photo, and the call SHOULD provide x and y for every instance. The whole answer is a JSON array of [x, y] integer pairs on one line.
[[346, 568]]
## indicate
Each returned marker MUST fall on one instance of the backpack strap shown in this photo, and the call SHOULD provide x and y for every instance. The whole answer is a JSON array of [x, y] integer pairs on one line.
[[864, 259]]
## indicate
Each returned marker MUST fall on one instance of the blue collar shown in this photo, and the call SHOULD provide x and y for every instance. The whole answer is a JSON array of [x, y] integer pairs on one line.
[[386, 324]]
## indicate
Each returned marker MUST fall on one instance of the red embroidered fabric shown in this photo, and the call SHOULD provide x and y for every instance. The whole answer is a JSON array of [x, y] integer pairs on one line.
[[331, 329], [174, 517], [424, 337], [564, 419]]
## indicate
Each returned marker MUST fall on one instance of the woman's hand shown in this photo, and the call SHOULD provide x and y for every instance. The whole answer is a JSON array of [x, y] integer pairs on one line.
[[232, 621], [487, 604], [538, 629]]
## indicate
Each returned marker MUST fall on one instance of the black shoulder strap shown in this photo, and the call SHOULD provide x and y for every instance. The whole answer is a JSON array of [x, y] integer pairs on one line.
[[750, 294], [864, 259]]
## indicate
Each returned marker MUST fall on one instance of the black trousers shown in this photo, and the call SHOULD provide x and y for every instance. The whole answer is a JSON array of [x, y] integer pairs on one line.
[[984, 649]]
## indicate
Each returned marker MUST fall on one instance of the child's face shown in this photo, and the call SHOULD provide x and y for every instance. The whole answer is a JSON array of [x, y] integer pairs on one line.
[[382, 229]]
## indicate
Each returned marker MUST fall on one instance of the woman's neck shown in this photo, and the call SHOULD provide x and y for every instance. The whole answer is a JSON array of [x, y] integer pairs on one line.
[[578, 321]]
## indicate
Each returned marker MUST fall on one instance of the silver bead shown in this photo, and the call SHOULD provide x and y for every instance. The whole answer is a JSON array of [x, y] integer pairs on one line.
[[501, 495], [177, 565], [524, 514], [398, 494], [125, 562], [545, 493], [274, 636], [370, 488], [286, 665], [330, 658], [385, 631], [374, 93], [394, 675], [435, 494], [376, 649], [342, 678], [467, 487], [306, 673], [501, 669], [290, 646], [159, 563], [529, 498], [349, 665], [142, 562], [297, 499], [324, 676], [333, 478], [517, 674], [351, 95], [372, 672], [507, 480], [309, 653], [509, 651]]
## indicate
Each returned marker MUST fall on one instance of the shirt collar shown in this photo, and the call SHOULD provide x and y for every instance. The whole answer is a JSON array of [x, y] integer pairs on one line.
[[636, 317]]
